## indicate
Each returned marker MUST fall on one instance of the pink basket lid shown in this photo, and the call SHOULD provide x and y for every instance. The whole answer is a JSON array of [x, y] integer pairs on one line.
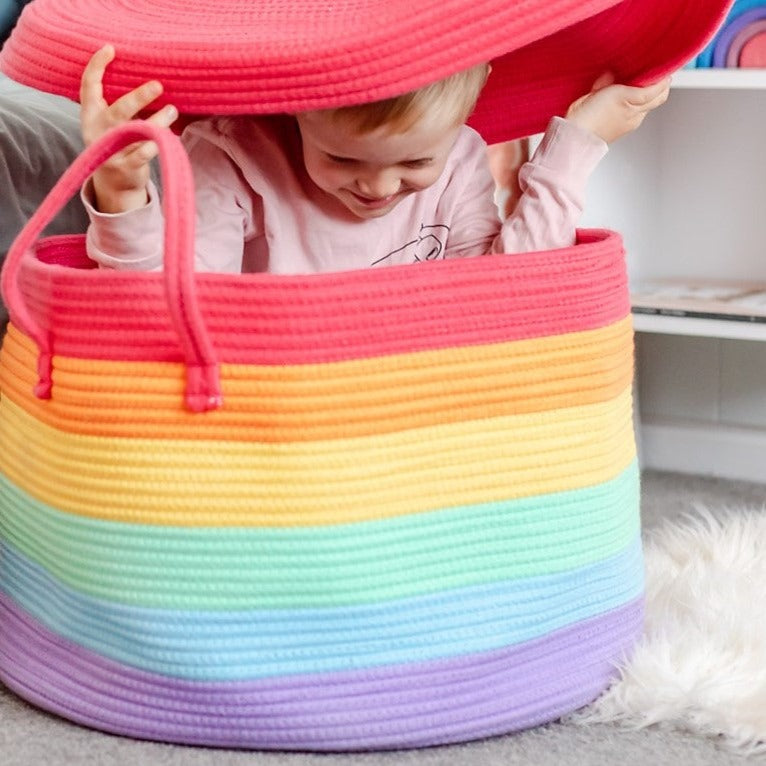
[[267, 56]]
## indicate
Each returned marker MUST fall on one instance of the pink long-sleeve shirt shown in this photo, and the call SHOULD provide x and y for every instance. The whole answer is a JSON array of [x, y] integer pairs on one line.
[[257, 209]]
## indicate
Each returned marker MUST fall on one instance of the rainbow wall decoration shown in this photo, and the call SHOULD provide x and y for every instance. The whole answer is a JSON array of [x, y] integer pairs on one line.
[[740, 42]]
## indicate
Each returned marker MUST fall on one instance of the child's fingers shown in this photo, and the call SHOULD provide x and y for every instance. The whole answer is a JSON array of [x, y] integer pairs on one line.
[[603, 81], [657, 100], [129, 105], [641, 97], [143, 151], [165, 117], [656, 88], [138, 154], [146, 151], [653, 103], [91, 82]]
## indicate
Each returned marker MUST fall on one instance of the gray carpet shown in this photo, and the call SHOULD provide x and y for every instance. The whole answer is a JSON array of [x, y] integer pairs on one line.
[[28, 736]]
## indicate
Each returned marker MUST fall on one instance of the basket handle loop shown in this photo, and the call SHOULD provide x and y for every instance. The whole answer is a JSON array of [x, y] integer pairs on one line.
[[203, 386]]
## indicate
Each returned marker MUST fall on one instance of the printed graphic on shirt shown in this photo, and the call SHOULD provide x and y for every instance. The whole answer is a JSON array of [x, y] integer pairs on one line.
[[428, 246]]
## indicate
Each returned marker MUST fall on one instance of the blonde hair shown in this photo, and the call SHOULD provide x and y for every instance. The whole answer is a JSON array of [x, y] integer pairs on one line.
[[454, 95]]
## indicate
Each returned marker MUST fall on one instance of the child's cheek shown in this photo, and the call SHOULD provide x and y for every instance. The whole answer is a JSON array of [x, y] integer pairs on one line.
[[324, 175], [422, 179], [337, 176]]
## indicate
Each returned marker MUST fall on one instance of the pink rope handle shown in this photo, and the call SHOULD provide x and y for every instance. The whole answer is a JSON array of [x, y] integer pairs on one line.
[[203, 386]]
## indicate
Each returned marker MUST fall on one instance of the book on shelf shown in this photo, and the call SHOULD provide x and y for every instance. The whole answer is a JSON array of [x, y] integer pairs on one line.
[[738, 301]]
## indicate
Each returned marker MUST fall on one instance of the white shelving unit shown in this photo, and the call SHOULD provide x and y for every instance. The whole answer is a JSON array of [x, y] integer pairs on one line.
[[707, 88], [724, 329], [708, 79], [688, 192]]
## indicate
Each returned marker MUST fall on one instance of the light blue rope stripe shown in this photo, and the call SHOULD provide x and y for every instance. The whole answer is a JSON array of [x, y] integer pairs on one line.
[[252, 644]]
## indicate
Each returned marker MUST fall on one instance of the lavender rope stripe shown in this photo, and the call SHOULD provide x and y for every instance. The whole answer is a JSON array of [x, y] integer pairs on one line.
[[408, 705]]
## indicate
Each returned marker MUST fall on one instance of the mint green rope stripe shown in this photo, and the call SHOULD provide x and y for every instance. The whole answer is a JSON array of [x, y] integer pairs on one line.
[[237, 568]]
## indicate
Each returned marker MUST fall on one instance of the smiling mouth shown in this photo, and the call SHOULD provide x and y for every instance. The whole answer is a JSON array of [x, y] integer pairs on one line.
[[374, 203]]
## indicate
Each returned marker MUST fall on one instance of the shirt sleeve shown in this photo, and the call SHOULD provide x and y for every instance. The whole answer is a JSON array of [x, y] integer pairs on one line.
[[226, 208], [552, 186], [129, 241], [225, 218]]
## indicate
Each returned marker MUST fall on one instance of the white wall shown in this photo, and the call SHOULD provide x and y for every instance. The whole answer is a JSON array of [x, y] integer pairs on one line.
[[688, 192]]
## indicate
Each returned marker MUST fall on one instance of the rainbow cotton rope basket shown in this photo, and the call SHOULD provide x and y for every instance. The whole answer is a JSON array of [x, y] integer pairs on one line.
[[413, 520], [345, 511]]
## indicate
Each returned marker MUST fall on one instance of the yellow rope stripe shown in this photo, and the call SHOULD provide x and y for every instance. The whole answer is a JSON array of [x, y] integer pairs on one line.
[[326, 401], [200, 483]]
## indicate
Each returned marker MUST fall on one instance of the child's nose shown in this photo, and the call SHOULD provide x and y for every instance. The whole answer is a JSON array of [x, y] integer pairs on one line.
[[380, 184]]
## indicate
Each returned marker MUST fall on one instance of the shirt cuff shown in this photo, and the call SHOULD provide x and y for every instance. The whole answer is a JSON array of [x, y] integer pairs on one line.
[[87, 195], [569, 149], [125, 241]]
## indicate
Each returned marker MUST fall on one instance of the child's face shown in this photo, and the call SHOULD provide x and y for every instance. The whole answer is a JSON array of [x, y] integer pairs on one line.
[[371, 173]]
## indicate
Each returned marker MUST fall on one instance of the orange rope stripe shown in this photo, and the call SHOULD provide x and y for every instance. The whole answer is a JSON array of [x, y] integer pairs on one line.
[[325, 401]]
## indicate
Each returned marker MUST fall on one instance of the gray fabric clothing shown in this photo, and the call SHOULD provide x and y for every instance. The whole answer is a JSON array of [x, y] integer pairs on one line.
[[39, 138]]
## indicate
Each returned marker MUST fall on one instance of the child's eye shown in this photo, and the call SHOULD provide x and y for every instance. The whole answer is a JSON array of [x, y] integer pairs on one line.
[[340, 160], [421, 163]]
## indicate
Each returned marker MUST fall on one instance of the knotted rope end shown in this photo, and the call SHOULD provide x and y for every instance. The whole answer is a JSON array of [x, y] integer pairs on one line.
[[203, 388]]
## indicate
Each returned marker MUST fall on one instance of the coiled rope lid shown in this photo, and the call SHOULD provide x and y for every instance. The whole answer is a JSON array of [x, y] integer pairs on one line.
[[267, 56]]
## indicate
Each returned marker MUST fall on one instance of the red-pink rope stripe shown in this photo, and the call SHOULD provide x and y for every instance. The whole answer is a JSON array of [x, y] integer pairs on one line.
[[268, 319]]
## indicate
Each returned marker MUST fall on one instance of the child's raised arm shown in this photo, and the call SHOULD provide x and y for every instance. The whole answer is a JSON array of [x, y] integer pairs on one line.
[[119, 185]]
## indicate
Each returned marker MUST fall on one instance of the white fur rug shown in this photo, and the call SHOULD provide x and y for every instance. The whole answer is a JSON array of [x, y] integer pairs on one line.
[[702, 663]]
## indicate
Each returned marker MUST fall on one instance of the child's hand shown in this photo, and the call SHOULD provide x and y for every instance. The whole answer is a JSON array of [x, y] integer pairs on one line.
[[611, 111], [120, 183]]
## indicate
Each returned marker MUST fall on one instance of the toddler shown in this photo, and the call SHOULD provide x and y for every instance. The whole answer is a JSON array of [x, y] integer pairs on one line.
[[398, 181]]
